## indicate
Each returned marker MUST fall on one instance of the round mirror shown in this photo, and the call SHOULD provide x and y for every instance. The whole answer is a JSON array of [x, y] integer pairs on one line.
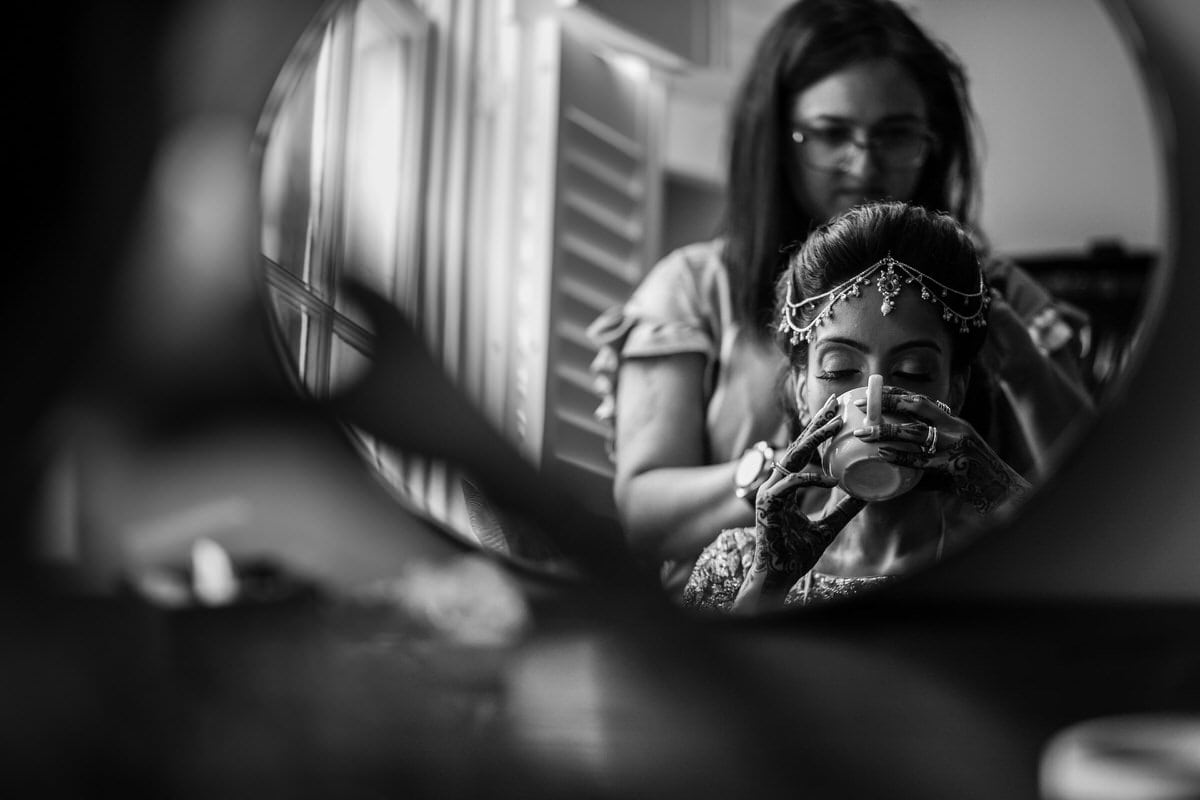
[[504, 173]]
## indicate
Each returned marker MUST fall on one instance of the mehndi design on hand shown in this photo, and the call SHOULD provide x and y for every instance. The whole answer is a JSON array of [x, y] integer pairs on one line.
[[960, 455], [788, 543]]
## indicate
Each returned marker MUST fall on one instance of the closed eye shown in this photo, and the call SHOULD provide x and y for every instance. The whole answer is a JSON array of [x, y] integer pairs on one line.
[[836, 374]]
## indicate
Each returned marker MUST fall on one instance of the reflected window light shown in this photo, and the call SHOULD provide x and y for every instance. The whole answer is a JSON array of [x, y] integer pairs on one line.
[[633, 67]]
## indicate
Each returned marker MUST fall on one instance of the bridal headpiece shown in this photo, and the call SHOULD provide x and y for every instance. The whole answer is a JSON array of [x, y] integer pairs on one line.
[[968, 309]]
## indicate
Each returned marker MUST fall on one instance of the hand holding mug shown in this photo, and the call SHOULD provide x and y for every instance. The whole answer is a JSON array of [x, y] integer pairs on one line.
[[788, 543], [855, 463], [946, 445]]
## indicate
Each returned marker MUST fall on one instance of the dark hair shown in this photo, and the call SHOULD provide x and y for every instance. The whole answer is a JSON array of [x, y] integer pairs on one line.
[[808, 41], [932, 242]]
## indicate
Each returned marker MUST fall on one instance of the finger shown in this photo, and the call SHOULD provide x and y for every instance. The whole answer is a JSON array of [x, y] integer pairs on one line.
[[776, 493], [791, 458], [842, 513], [795, 480], [822, 433], [783, 486], [798, 454], [888, 397], [821, 480], [927, 408], [824, 414], [807, 479], [889, 403], [799, 480], [905, 458], [913, 432], [919, 406]]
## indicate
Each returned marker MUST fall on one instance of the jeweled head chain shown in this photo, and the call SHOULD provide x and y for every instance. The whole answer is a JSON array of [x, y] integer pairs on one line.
[[890, 278]]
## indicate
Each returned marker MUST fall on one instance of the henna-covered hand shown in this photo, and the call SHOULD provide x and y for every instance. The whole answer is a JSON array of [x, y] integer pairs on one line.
[[787, 542], [951, 448]]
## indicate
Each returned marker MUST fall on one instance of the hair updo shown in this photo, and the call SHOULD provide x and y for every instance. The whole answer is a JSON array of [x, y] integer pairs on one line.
[[931, 242]]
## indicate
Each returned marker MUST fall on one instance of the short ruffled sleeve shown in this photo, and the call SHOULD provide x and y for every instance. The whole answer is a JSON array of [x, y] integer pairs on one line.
[[673, 311]]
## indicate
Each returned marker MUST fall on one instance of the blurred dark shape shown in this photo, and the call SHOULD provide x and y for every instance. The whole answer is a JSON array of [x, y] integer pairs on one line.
[[407, 400], [506, 534], [90, 111], [246, 582], [352, 697], [1107, 288]]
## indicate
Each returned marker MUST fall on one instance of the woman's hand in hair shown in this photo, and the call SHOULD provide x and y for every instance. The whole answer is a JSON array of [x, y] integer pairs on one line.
[[1044, 385], [950, 447], [787, 543]]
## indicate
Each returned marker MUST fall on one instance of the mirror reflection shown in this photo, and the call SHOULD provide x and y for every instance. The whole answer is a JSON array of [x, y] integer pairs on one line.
[[570, 198]]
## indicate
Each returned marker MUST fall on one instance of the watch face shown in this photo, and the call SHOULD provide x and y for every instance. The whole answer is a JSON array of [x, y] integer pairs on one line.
[[749, 467]]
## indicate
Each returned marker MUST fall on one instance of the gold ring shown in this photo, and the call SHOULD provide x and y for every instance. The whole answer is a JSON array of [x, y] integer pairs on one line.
[[943, 406], [781, 468]]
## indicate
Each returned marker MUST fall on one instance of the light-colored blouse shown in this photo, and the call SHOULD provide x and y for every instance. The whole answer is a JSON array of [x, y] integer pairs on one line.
[[683, 306]]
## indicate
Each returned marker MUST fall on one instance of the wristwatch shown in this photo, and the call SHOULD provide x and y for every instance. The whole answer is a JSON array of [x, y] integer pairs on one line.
[[752, 470]]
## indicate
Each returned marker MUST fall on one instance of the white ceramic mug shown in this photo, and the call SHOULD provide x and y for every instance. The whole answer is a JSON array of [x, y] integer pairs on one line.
[[857, 465]]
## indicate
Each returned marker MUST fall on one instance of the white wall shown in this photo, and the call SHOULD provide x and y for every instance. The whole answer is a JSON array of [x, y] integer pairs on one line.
[[1070, 151]]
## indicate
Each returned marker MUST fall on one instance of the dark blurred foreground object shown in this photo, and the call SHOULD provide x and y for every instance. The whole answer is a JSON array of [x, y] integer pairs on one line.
[[357, 697]]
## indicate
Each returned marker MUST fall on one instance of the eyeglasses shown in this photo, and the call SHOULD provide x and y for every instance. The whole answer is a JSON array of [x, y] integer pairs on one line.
[[893, 147]]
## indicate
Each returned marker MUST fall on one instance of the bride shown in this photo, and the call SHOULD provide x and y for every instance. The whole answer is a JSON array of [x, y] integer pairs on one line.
[[884, 289]]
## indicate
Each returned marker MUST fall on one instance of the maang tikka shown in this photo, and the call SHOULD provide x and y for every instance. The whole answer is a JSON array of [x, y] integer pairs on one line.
[[891, 276]]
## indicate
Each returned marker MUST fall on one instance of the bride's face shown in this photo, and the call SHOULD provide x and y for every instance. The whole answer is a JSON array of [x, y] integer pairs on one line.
[[911, 347]]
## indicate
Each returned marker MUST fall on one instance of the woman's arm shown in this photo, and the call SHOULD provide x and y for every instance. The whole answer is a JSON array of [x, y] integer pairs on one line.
[[670, 502], [1047, 401], [1044, 389]]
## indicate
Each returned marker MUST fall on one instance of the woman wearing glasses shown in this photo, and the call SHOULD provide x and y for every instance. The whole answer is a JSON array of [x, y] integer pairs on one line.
[[845, 102]]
